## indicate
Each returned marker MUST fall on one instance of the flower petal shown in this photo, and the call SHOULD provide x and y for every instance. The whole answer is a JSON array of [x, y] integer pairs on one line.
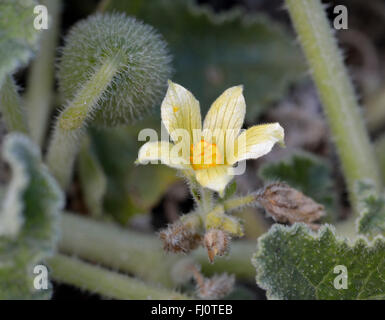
[[257, 141], [180, 111], [161, 151], [215, 178], [225, 117]]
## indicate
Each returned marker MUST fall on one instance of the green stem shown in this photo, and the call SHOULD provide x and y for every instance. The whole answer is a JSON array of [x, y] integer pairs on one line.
[[41, 76], [104, 282], [206, 200], [232, 204], [239, 202], [336, 92], [141, 254], [124, 250], [10, 106], [238, 262], [194, 187], [217, 210], [70, 125], [92, 178]]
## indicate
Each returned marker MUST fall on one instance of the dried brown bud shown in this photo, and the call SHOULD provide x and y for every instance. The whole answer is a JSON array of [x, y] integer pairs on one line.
[[216, 242], [288, 205], [216, 287], [179, 238]]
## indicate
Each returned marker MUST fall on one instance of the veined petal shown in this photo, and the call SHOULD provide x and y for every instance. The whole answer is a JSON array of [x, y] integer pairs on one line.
[[161, 151], [215, 178], [257, 141], [180, 111], [225, 117]]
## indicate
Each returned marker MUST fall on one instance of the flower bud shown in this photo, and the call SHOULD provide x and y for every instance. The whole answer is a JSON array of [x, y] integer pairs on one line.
[[216, 242], [216, 287], [179, 238], [217, 219], [288, 205]]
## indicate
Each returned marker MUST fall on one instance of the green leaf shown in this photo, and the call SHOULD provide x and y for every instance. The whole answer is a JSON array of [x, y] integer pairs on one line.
[[295, 263], [230, 190], [11, 107], [214, 51], [29, 219], [18, 37], [305, 172], [372, 209]]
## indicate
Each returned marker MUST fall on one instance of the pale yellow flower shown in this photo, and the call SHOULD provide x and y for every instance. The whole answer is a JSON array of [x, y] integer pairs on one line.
[[209, 153]]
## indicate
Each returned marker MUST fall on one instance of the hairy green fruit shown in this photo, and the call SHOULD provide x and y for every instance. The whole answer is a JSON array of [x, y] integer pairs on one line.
[[142, 71]]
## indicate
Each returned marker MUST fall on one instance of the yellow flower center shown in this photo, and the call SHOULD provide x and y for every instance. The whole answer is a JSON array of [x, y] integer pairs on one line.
[[204, 155]]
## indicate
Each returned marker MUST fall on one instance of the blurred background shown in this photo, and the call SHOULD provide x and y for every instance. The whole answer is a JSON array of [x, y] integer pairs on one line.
[[216, 44]]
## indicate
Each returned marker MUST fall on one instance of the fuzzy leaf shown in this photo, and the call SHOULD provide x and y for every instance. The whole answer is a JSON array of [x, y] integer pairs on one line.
[[295, 263], [305, 172], [18, 37], [29, 219], [131, 189], [215, 51], [372, 210]]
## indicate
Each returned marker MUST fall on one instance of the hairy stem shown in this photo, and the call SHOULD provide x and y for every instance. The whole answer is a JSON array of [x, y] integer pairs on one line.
[[239, 202], [336, 92], [141, 254], [232, 204], [41, 76], [70, 125], [10, 106], [104, 282], [206, 199]]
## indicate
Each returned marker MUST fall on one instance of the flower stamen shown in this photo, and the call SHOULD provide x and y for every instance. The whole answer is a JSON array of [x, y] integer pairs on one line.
[[204, 155]]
